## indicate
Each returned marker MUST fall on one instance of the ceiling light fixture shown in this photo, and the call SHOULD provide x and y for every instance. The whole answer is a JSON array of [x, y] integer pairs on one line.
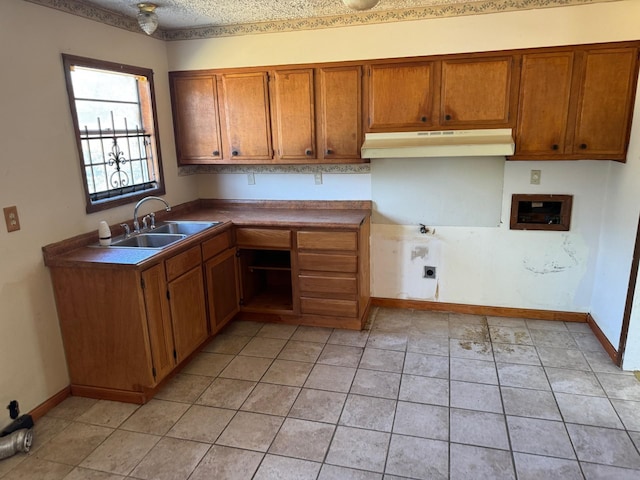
[[360, 4], [147, 17]]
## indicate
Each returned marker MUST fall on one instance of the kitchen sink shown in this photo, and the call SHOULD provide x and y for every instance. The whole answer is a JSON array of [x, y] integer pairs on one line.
[[149, 240], [181, 227]]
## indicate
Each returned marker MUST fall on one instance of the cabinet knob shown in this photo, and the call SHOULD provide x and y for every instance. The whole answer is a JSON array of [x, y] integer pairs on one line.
[[234, 153], [308, 152], [423, 119], [329, 151], [583, 146], [555, 146], [447, 117], [216, 153]]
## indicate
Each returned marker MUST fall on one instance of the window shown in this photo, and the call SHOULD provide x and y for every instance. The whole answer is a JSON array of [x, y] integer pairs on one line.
[[113, 110]]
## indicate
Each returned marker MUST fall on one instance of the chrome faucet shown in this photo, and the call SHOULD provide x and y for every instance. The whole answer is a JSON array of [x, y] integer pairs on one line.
[[136, 224]]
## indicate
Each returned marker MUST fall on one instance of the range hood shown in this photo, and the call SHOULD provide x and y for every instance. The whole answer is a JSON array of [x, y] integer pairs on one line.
[[449, 143]]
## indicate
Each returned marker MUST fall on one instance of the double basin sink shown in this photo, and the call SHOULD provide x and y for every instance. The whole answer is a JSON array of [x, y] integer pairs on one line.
[[163, 235]]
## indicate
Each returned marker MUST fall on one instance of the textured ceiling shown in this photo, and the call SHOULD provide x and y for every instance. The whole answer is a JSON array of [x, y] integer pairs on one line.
[[181, 14], [185, 19]]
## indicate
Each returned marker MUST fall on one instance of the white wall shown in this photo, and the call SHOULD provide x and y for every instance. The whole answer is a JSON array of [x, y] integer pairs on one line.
[[618, 233], [40, 174], [489, 266], [274, 186]]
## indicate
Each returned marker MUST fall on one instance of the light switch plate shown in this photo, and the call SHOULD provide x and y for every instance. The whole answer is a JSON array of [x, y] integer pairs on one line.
[[535, 177], [11, 218], [251, 179]]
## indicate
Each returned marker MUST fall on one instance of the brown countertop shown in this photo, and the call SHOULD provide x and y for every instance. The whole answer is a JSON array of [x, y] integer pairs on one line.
[[81, 251]]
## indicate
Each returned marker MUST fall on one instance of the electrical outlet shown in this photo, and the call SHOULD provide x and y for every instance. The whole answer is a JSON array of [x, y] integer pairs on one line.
[[11, 218], [251, 179], [317, 177], [429, 272], [535, 177]]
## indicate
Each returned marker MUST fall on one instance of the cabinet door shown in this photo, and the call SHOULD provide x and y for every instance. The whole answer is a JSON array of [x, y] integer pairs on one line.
[[340, 105], [158, 321], [545, 89], [605, 102], [195, 119], [476, 92], [244, 112], [293, 114], [222, 289], [188, 312], [400, 96]]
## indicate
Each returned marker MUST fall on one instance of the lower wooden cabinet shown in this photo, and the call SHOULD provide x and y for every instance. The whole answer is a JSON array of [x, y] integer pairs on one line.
[[222, 289], [103, 321], [126, 328], [330, 274], [310, 276], [154, 290]]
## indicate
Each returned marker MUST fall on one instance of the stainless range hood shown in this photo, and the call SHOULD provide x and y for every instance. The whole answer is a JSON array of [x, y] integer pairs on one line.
[[449, 143]]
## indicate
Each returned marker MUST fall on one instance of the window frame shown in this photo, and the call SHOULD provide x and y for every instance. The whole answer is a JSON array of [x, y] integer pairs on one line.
[[150, 124]]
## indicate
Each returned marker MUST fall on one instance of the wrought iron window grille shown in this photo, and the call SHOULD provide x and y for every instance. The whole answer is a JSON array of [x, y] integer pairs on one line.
[[117, 161]]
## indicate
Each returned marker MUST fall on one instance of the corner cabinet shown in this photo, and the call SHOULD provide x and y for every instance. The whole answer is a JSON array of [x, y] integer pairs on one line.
[[221, 274], [576, 103], [175, 308]]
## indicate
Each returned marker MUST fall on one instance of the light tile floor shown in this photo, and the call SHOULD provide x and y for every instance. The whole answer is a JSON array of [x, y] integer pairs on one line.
[[420, 395]]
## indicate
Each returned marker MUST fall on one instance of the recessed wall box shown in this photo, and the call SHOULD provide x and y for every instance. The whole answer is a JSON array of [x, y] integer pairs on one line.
[[541, 212]]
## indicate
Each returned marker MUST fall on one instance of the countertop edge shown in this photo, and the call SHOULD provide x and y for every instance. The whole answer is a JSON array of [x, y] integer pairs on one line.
[[80, 250]]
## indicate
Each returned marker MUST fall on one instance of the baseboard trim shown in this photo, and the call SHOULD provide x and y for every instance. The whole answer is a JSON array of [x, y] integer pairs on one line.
[[111, 394], [604, 341], [481, 310], [42, 409]]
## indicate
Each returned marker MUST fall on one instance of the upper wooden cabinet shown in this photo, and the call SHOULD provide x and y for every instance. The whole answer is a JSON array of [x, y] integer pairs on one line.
[[400, 96], [544, 103], [451, 93], [282, 115], [477, 92], [573, 102], [576, 103], [606, 90], [339, 101], [293, 114], [244, 113], [195, 119]]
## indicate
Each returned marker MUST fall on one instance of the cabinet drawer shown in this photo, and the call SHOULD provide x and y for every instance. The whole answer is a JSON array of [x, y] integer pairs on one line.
[[321, 306], [310, 284], [263, 237], [327, 240], [183, 262], [320, 262], [215, 245]]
